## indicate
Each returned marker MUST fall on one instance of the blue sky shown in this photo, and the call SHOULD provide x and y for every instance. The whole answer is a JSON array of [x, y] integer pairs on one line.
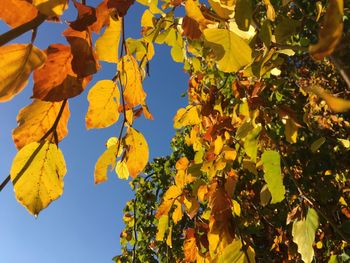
[[84, 224]]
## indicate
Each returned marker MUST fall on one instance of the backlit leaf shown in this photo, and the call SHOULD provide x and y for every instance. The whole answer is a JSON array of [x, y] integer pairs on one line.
[[17, 61], [107, 45], [51, 7], [162, 227], [234, 253], [36, 119], [331, 31], [232, 53], [42, 181], [223, 8], [122, 170], [273, 176], [56, 80], [10, 15], [131, 79], [137, 152], [303, 232], [107, 160], [190, 246], [187, 116], [103, 100], [193, 11]]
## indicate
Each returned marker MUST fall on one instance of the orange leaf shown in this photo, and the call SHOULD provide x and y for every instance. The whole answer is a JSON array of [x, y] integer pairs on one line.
[[84, 62], [190, 246], [17, 12], [102, 17], [56, 80], [36, 119]]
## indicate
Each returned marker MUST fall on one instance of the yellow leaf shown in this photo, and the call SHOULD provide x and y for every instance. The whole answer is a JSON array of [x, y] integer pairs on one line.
[[177, 214], [103, 105], [236, 208], [202, 192], [234, 253], [169, 197], [188, 116], [107, 159], [111, 141], [36, 119], [218, 144], [42, 180], [232, 52], [190, 246], [224, 9], [182, 164], [229, 153], [334, 103], [147, 19], [270, 11], [162, 227], [17, 61], [131, 79], [107, 45], [169, 240], [193, 11], [331, 31], [51, 7], [291, 130], [122, 170], [136, 156]]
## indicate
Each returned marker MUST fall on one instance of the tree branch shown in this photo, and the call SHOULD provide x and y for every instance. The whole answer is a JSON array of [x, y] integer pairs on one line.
[[16, 32]]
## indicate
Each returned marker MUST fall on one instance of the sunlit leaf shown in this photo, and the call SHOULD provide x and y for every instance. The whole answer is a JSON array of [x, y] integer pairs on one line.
[[42, 180], [304, 234], [107, 45], [17, 61], [162, 227], [51, 7], [137, 152], [224, 9], [190, 246], [103, 100], [234, 253], [273, 176], [331, 31], [187, 116], [122, 170], [10, 15], [36, 119], [232, 53]]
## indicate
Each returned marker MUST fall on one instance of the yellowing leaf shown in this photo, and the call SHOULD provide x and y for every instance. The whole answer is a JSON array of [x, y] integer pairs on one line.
[[251, 143], [103, 105], [334, 103], [218, 145], [136, 156], [177, 214], [131, 79], [147, 19], [42, 180], [107, 45], [273, 176], [106, 160], [234, 253], [36, 119], [331, 31], [232, 53], [162, 227], [17, 61], [303, 232], [9, 12], [187, 116], [193, 11], [223, 8], [51, 7], [122, 170], [169, 240], [169, 197], [190, 246]]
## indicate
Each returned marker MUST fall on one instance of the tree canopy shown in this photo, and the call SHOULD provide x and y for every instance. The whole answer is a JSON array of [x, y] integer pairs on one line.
[[260, 165]]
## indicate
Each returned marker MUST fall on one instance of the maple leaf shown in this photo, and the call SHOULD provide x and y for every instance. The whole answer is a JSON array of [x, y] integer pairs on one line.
[[9, 12], [17, 62], [35, 120], [103, 100], [56, 80], [42, 180]]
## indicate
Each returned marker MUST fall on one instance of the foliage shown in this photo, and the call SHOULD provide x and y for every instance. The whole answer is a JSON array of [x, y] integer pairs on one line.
[[260, 164]]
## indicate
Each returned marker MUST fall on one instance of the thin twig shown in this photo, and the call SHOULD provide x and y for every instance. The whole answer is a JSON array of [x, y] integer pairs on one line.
[[16, 32]]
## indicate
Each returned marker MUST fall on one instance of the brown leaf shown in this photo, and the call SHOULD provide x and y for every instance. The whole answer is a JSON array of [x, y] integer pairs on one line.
[[17, 12], [86, 17], [121, 6], [56, 80], [102, 17], [191, 28], [84, 62]]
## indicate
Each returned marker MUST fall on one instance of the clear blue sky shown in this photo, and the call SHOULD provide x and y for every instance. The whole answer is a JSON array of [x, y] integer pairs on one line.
[[84, 224]]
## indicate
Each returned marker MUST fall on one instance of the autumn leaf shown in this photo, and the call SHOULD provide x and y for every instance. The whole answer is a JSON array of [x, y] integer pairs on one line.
[[38, 180], [136, 156], [224, 9], [169, 198], [273, 176], [234, 253], [17, 61], [56, 80], [131, 79], [10, 15], [162, 227], [103, 100], [243, 14], [190, 247], [102, 17], [187, 116], [107, 45], [84, 62], [107, 160], [36, 119], [331, 31], [303, 232], [193, 11], [232, 53], [122, 170], [190, 28], [86, 17], [121, 6], [51, 7]]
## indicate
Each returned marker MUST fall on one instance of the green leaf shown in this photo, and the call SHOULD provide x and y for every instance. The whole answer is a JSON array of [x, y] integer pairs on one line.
[[234, 253], [251, 143], [232, 52], [304, 234], [273, 176], [285, 29], [243, 14]]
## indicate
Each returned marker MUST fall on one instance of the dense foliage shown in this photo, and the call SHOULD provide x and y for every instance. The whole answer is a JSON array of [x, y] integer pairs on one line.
[[260, 164]]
